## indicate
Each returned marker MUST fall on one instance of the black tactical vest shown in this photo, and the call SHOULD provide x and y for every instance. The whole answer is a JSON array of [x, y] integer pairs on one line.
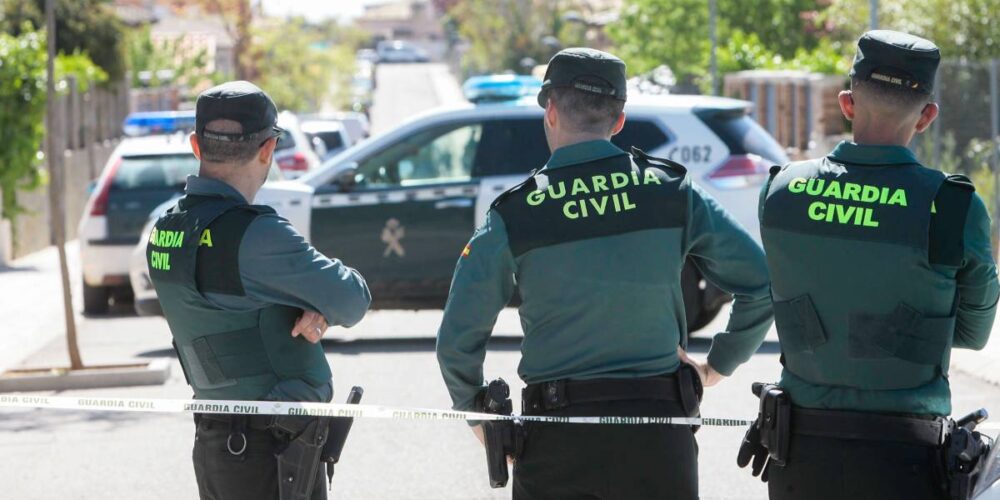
[[225, 354]]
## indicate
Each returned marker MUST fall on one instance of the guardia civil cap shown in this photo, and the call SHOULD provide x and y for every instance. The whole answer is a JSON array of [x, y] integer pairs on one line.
[[897, 59], [239, 101], [584, 69]]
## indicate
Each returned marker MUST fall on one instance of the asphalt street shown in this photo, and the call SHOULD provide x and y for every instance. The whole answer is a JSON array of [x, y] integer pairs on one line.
[[48, 454]]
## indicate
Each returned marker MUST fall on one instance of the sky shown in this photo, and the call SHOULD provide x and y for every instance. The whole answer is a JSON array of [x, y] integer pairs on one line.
[[341, 9]]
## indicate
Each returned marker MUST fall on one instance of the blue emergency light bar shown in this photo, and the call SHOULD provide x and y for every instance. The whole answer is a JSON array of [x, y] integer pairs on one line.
[[158, 122], [500, 88]]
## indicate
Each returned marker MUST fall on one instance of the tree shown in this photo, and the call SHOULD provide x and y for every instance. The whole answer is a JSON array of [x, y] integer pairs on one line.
[[961, 28], [504, 33], [145, 55], [650, 33], [86, 26]]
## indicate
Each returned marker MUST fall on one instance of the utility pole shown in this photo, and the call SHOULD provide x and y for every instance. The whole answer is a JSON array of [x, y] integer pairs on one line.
[[55, 153], [713, 36], [995, 136], [873, 13]]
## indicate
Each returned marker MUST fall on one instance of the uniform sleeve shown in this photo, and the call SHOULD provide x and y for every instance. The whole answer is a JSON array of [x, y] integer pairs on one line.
[[279, 266], [481, 288], [731, 260], [978, 288]]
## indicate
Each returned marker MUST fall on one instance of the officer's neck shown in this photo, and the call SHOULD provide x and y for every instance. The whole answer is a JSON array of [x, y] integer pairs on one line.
[[879, 133], [247, 185], [562, 140]]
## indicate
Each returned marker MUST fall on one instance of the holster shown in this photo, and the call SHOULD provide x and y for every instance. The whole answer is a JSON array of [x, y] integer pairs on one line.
[[503, 438], [774, 422], [303, 440], [691, 391], [963, 458], [337, 436]]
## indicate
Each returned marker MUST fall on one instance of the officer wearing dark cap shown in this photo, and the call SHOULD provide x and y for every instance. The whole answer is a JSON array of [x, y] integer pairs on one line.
[[594, 242], [247, 300], [879, 267]]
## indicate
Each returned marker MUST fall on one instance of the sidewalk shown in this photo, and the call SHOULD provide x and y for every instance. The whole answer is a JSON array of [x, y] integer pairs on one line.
[[31, 310]]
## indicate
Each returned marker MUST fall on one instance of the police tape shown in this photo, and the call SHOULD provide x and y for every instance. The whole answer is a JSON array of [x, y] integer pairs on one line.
[[225, 407]]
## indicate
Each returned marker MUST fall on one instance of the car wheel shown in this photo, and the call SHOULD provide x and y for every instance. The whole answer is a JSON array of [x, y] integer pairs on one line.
[[95, 299]]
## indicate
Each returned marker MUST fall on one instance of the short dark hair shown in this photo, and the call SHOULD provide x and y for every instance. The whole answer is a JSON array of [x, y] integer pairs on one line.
[[216, 151], [891, 96], [586, 111]]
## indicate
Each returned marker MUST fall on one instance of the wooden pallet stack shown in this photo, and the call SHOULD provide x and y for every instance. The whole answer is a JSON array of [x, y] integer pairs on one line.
[[798, 108]]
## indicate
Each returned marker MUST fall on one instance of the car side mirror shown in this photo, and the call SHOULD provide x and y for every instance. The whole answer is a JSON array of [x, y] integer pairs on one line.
[[347, 179]]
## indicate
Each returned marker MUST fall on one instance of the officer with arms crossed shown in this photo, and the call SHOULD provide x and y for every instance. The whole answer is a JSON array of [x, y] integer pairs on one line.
[[595, 242], [879, 267], [247, 300]]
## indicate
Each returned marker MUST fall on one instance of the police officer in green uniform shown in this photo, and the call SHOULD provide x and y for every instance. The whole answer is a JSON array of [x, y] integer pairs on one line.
[[879, 267], [594, 243], [247, 300]]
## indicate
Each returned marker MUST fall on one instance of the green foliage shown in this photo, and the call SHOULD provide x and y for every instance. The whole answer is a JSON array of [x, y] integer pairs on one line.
[[146, 55], [87, 26], [82, 68], [22, 112], [650, 33], [962, 28], [296, 67], [504, 33]]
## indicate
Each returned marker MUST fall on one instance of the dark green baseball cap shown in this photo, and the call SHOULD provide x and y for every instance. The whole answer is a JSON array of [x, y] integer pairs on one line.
[[897, 59], [239, 101], [584, 69]]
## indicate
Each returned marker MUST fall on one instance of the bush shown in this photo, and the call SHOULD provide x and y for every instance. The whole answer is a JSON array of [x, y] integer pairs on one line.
[[22, 113]]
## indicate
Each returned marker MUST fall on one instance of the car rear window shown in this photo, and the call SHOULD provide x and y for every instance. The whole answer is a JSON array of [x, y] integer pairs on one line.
[[642, 134], [742, 135], [154, 171], [332, 140], [285, 141]]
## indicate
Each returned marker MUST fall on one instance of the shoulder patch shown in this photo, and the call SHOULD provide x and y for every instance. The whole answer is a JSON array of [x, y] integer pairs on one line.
[[518, 187], [642, 156], [961, 181]]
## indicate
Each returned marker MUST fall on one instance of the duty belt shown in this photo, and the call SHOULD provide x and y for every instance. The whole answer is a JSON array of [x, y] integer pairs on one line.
[[925, 431], [557, 394], [255, 422]]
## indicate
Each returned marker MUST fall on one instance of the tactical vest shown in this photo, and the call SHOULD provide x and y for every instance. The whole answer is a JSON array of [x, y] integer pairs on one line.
[[863, 262], [594, 243], [225, 354]]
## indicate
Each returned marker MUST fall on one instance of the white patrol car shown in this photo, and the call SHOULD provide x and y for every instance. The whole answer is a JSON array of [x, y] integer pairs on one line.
[[401, 206]]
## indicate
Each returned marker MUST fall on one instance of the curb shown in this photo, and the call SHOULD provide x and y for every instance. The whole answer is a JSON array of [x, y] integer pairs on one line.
[[156, 372]]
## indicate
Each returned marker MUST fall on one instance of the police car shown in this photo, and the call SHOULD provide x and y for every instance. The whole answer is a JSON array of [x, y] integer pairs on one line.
[[142, 173], [400, 207]]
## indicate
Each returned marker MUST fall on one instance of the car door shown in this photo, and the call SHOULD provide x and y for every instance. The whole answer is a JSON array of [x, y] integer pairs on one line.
[[407, 216]]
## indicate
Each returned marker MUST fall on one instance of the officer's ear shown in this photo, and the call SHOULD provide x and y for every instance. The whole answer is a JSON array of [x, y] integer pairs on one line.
[[195, 148], [846, 99], [267, 150], [619, 124], [551, 113], [927, 116]]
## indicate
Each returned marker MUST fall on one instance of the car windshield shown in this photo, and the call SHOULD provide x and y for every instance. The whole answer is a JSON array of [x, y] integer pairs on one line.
[[332, 139], [154, 171]]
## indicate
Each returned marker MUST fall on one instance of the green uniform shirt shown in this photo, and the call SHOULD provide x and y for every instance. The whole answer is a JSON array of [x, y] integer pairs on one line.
[[600, 324], [978, 290]]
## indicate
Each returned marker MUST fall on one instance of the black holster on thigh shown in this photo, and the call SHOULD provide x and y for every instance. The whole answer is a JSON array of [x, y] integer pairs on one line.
[[964, 455], [503, 437], [767, 439], [302, 441]]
